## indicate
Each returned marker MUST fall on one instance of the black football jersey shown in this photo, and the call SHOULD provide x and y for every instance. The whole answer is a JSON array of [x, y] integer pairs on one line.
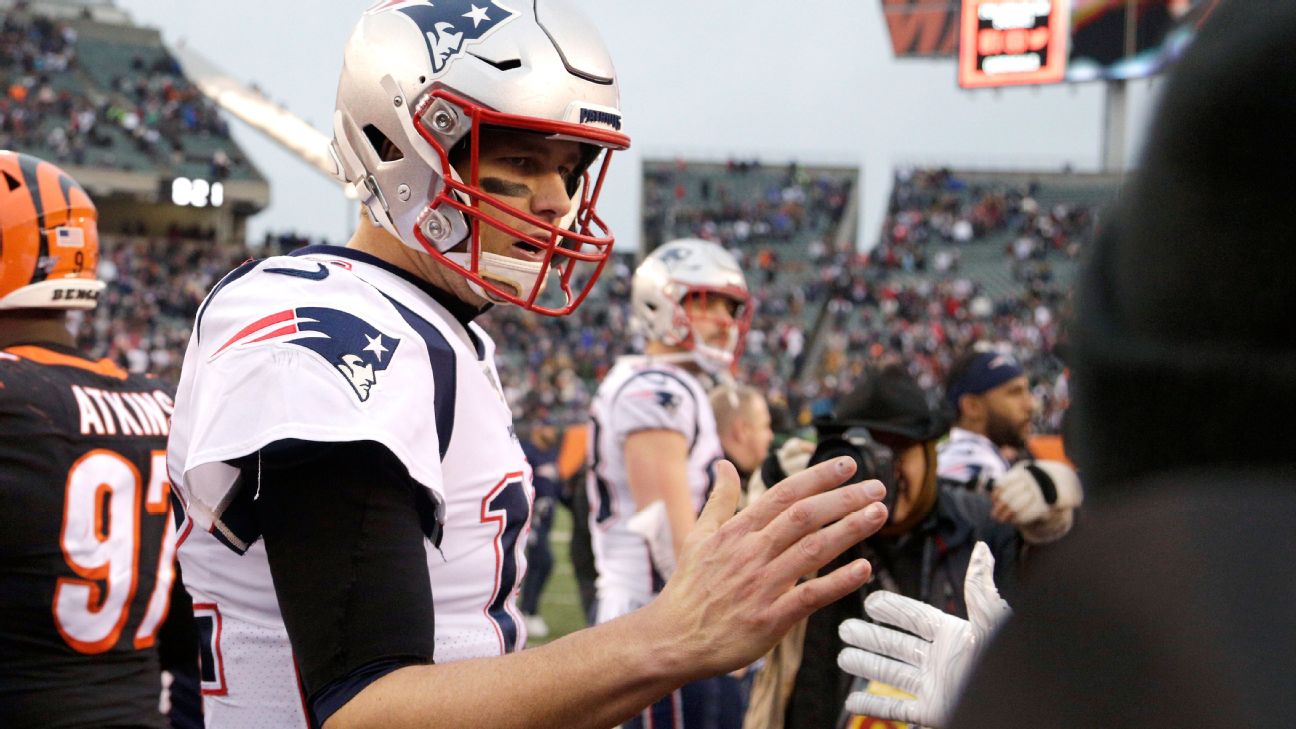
[[87, 542]]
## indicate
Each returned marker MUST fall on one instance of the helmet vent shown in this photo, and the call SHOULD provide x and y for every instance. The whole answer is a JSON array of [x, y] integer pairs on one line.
[[383, 146], [14, 184], [508, 65]]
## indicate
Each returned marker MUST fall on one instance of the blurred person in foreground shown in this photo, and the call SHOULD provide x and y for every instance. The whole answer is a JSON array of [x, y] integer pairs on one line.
[[87, 551], [1173, 607], [356, 496], [923, 551], [654, 443]]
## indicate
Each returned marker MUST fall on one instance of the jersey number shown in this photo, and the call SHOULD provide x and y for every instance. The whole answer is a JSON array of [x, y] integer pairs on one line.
[[100, 540], [508, 507]]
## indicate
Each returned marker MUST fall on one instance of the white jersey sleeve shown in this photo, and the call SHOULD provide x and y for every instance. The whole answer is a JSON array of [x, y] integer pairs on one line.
[[970, 459], [655, 400], [273, 358]]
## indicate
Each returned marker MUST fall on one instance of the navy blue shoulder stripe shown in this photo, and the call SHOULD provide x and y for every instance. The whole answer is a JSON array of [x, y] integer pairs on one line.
[[697, 427], [230, 278], [441, 357]]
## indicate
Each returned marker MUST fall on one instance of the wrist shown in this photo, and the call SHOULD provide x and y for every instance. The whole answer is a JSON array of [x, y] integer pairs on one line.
[[663, 648]]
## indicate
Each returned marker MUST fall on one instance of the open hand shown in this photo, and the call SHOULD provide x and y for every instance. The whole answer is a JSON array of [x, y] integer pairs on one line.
[[735, 591]]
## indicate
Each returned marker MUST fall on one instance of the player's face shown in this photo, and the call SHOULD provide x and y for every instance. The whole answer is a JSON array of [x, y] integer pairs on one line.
[[1009, 408], [713, 318], [530, 173]]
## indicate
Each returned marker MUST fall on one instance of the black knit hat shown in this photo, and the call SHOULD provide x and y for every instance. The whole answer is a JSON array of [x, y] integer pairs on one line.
[[1181, 351], [888, 400]]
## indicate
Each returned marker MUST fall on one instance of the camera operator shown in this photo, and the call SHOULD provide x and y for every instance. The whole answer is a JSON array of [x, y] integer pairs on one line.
[[888, 426]]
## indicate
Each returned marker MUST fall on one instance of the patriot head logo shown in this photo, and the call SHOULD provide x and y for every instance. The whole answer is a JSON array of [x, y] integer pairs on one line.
[[354, 347], [675, 256], [448, 25]]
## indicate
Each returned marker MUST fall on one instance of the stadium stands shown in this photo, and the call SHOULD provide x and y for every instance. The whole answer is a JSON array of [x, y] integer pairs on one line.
[[963, 257], [88, 93]]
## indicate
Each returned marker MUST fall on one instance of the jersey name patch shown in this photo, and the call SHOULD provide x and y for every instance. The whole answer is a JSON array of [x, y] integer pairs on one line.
[[353, 346]]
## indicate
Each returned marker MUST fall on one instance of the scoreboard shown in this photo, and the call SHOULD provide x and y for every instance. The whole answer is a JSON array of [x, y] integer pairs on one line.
[[1009, 42]]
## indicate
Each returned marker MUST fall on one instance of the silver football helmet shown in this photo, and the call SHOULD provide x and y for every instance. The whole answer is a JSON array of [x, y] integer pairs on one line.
[[675, 271], [421, 79]]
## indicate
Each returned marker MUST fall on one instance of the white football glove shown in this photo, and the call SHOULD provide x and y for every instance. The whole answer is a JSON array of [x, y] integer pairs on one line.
[[653, 524], [1033, 488], [931, 660]]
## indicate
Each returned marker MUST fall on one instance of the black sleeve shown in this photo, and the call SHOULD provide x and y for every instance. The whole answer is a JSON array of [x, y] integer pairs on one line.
[[344, 532]]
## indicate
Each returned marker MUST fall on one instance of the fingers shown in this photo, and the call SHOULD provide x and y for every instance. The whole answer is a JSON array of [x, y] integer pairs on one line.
[[820, 545], [810, 513], [985, 607], [1002, 513], [723, 502], [1027, 502], [880, 668], [792, 489], [905, 613], [881, 707], [813, 594], [884, 641]]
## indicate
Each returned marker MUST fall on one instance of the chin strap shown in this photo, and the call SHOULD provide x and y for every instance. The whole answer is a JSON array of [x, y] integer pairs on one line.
[[503, 271]]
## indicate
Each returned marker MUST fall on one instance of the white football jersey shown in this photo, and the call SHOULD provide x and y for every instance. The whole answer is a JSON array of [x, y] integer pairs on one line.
[[969, 458], [640, 393], [333, 345]]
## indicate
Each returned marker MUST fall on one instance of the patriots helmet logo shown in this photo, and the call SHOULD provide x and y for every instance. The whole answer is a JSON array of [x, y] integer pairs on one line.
[[675, 255], [354, 347], [448, 25]]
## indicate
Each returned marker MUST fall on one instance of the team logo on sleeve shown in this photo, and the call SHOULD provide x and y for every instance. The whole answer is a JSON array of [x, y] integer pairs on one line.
[[668, 401], [353, 346], [449, 25]]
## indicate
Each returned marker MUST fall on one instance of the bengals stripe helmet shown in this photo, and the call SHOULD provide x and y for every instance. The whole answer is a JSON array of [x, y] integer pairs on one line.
[[49, 237]]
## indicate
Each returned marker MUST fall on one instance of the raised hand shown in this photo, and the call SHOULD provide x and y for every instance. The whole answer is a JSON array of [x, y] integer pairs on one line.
[[735, 591], [930, 656]]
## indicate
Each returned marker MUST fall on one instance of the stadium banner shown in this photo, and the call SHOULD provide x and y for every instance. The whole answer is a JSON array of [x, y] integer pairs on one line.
[[922, 28], [1013, 42]]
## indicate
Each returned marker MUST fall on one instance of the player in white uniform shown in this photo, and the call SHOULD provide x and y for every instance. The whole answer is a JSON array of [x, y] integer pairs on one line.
[[355, 499], [653, 436]]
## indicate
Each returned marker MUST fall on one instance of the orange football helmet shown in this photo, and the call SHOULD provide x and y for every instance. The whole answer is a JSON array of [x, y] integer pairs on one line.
[[49, 237]]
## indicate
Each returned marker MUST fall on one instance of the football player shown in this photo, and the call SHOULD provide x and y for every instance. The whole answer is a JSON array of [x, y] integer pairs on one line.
[[88, 541], [993, 404], [991, 397], [654, 441], [356, 498]]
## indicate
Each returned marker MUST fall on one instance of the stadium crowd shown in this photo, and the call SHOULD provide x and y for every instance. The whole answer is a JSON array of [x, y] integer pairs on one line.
[[819, 318], [55, 106], [931, 207]]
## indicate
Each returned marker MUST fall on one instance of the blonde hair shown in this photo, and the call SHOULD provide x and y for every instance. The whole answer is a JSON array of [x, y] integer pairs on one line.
[[732, 403]]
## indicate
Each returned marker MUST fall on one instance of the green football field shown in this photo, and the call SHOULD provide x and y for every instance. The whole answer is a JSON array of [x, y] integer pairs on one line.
[[560, 601]]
